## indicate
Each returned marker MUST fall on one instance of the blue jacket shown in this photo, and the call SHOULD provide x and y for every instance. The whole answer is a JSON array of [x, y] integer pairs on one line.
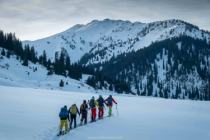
[[64, 114]]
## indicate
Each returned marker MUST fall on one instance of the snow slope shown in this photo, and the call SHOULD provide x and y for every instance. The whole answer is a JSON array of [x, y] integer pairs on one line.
[[32, 114], [107, 38], [13, 73]]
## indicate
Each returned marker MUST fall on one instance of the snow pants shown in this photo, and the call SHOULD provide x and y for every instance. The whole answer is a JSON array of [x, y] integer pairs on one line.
[[63, 124], [93, 114], [110, 111], [84, 117], [73, 119], [100, 112]]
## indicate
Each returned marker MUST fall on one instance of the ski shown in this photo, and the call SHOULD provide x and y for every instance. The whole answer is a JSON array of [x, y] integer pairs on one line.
[[63, 133]]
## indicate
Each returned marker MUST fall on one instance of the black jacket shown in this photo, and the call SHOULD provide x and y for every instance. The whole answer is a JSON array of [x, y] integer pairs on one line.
[[101, 102], [83, 108]]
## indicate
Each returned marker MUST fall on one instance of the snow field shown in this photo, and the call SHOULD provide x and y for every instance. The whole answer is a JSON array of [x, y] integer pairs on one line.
[[32, 114]]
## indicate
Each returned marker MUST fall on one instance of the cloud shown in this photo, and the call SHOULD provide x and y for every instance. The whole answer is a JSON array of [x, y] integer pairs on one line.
[[33, 19]]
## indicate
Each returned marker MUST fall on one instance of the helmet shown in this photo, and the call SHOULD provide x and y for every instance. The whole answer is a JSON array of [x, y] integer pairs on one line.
[[93, 97]]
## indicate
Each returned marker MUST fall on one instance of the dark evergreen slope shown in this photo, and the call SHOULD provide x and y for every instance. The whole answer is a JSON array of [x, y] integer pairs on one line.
[[173, 68]]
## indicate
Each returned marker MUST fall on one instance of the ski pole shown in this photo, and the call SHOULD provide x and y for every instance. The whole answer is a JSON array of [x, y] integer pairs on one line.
[[117, 110]]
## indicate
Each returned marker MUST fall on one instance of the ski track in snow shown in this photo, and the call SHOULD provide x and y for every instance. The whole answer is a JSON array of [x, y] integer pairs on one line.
[[74, 130]]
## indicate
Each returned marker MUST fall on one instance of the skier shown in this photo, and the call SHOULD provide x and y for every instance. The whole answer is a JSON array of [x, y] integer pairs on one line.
[[93, 104], [63, 120], [84, 112], [73, 110], [109, 102], [101, 102]]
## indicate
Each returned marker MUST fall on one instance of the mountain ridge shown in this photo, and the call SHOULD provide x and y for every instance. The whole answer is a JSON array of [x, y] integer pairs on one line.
[[103, 35]]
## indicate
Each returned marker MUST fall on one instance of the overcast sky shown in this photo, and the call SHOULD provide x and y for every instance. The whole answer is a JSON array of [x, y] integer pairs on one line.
[[34, 19]]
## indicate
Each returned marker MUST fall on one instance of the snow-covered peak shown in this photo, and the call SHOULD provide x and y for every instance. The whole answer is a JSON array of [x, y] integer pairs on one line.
[[113, 37]]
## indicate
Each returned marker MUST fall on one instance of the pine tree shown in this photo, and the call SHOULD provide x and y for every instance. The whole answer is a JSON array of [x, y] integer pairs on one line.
[[8, 54], [67, 62], [3, 52], [166, 93], [44, 58], [56, 64], [25, 62], [62, 64], [110, 87], [61, 84], [49, 64], [177, 92], [33, 55]]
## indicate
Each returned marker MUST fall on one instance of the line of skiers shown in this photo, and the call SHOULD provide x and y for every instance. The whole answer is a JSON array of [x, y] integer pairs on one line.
[[70, 115]]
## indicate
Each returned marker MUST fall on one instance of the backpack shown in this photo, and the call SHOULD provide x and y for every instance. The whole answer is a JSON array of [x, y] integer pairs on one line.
[[109, 101], [63, 113], [83, 108], [100, 102], [73, 109], [92, 103]]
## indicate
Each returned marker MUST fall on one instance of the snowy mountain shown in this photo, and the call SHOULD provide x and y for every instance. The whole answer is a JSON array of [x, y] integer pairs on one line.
[[169, 59], [162, 59], [102, 40]]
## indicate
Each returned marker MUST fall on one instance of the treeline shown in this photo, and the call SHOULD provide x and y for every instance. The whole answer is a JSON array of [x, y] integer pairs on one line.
[[61, 65], [11, 43], [99, 81]]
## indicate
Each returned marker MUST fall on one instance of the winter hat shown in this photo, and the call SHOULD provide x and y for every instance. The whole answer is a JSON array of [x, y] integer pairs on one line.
[[65, 107]]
